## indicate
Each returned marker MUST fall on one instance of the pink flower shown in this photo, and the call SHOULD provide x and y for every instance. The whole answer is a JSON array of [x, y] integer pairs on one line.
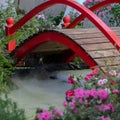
[[88, 76], [104, 118], [115, 91], [109, 8], [91, 74], [57, 112], [102, 13], [79, 93], [118, 75], [70, 80], [100, 82], [38, 116], [41, 16], [72, 105], [105, 107], [80, 100], [93, 93], [102, 93], [44, 115], [111, 107], [64, 104], [69, 93], [95, 71], [87, 93], [97, 11], [112, 72]]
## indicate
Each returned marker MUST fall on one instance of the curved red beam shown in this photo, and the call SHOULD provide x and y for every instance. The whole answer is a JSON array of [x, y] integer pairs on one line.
[[82, 16], [93, 8], [42, 37], [91, 16], [88, 13]]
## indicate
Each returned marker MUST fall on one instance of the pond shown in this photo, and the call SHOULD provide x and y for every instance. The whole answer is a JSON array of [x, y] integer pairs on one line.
[[41, 89]]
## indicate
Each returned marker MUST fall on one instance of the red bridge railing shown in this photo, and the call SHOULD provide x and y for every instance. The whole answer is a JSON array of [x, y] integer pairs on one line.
[[85, 13]]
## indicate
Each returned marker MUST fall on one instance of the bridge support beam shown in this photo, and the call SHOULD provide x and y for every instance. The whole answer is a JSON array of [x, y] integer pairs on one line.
[[46, 36]]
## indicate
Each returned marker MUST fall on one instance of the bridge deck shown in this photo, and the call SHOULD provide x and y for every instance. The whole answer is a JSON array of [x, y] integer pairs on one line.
[[92, 41], [96, 44]]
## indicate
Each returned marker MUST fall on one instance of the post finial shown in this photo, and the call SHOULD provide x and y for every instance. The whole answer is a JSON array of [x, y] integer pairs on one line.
[[66, 21], [10, 21]]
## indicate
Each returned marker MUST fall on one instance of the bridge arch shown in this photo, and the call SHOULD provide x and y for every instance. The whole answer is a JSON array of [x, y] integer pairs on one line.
[[82, 16], [88, 13], [93, 8], [55, 36]]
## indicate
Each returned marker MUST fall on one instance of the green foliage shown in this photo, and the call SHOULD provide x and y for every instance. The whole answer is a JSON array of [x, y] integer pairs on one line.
[[57, 19], [98, 99], [78, 63], [6, 67], [31, 27], [4, 13], [115, 11], [9, 110]]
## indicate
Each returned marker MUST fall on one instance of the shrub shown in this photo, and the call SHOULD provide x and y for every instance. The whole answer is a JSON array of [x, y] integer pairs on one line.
[[9, 110], [109, 13], [96, 97], [115, 11]]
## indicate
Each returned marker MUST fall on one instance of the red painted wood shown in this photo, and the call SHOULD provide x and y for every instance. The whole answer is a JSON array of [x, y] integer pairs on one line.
[[12, 43], [42, 37], [82, 16], [93, 8], [68, 55], [68, 59], [66, 21], [101, 25], [89, 14]]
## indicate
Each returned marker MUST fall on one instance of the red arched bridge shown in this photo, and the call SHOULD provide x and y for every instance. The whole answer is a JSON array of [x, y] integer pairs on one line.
[[94, 46]]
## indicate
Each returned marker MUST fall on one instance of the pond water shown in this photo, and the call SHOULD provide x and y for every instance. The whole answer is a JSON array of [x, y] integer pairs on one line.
[[41, 89]]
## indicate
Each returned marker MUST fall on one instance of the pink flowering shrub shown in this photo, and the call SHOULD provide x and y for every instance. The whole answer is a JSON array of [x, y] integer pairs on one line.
[[96, 97], [99, 99], [101, 11], [51, 114], [109, 13]]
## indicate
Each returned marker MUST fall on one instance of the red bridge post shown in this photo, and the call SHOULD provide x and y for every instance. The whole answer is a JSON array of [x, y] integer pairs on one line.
[[70, 54], [66, 21], [12, 43]]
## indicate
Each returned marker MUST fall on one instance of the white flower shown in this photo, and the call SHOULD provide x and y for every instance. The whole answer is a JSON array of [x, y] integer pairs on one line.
[[105, 81], [100, 82], [112, 72], [41, 16], [108, 90]]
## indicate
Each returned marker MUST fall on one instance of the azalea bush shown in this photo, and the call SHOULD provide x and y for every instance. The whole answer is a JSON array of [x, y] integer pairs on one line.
[[51, 114], [101, 11], [115, 11], [108, 13], [97, 97], [94, 97]]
